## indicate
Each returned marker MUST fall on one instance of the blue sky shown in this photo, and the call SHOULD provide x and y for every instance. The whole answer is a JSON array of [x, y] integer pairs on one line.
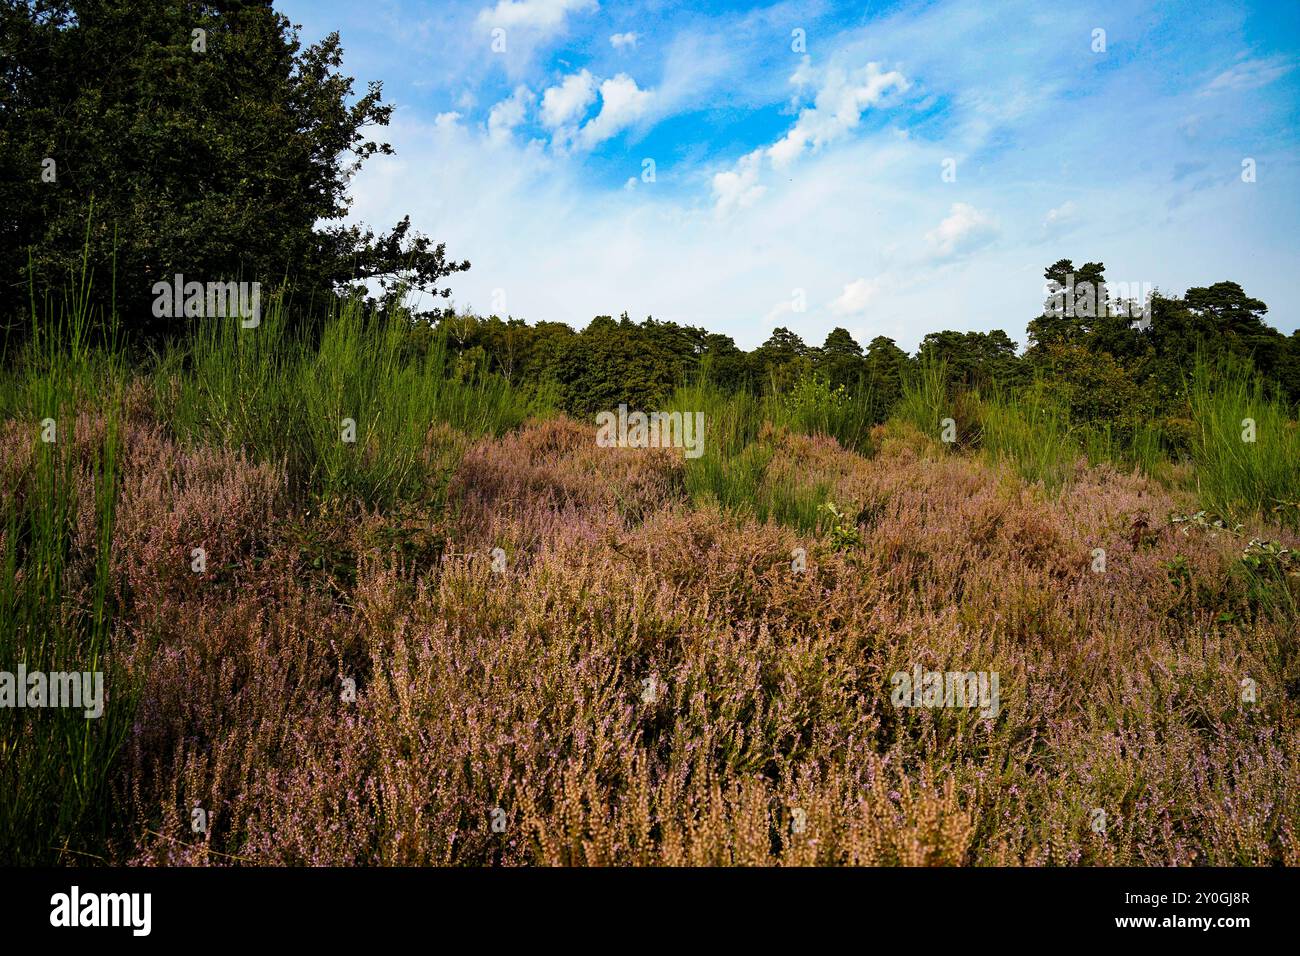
[[892, 168]]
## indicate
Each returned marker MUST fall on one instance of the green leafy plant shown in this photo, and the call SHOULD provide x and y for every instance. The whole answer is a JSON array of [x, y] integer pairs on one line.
[[1180, 573], [1205, 521], [844, 533], [1271, 557]]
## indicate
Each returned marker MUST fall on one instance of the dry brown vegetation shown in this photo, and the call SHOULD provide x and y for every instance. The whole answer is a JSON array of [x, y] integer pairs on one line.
[[768, 735]]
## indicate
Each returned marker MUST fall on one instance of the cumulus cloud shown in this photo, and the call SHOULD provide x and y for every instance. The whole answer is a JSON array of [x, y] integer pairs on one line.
[[570, 239], [1061, 215], [539, 15], [965, 229], [738, 188], [620, 40], [568, 102], [804, 75], [837, 109], [509, 113], [855, 298], [622, 103]]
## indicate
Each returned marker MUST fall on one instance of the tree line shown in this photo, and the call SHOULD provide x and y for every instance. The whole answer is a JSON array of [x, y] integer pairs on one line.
[[141, 139], [1111, 365]]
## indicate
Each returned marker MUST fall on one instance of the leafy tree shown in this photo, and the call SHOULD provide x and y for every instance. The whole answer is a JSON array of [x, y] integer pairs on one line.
[[729, 367], [973, 359], [1288, 368], [886, 367], [1073, 303], [840, 343], [1095, 388], [775, 359], [222, 155], [840, 359]]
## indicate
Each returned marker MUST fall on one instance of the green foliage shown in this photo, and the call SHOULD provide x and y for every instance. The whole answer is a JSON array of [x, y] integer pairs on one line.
[[840, 359], [815, 407], [1141, 446], [732, 467], [1236, 476], [229, 163], [1094, 388], [886, 368], [734, 472], [813, 399], [1272, 573], [276, 394], [56, 601], [1032, 432], [842, 529], [1270, 557], [1119, 380], [925, 402], [972, 360], [1203, 521]]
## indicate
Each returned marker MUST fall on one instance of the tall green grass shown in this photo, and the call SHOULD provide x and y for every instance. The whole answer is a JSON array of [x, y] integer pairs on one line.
[[1236, 476], [925, 401], [1140, 447], [274, 391], [1029, 428], [733, 471], [350, 415], [1032, 433], [56, 607], [813, 407]]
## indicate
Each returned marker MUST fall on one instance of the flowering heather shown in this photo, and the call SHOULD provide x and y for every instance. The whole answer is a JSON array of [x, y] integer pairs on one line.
[[637, 677]]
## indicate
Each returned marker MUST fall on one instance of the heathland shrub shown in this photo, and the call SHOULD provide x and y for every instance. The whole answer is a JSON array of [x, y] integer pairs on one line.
[[474, 619]]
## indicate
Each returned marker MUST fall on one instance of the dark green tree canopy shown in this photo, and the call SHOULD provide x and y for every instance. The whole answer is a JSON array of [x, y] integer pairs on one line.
[[209, 141], [840, 343]]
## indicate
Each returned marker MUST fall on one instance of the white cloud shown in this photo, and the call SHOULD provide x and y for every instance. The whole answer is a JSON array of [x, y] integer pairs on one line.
[[777, 314], [622, 103], [531, 223], [568, 241], [837, 109], [540, 15], [855, 298], [804, 75], [621, 40], [1062, 214], [509, 113], [1248, 75], [568, 102], [446, 119], [738, 188], [520, 30], [965, 229]]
